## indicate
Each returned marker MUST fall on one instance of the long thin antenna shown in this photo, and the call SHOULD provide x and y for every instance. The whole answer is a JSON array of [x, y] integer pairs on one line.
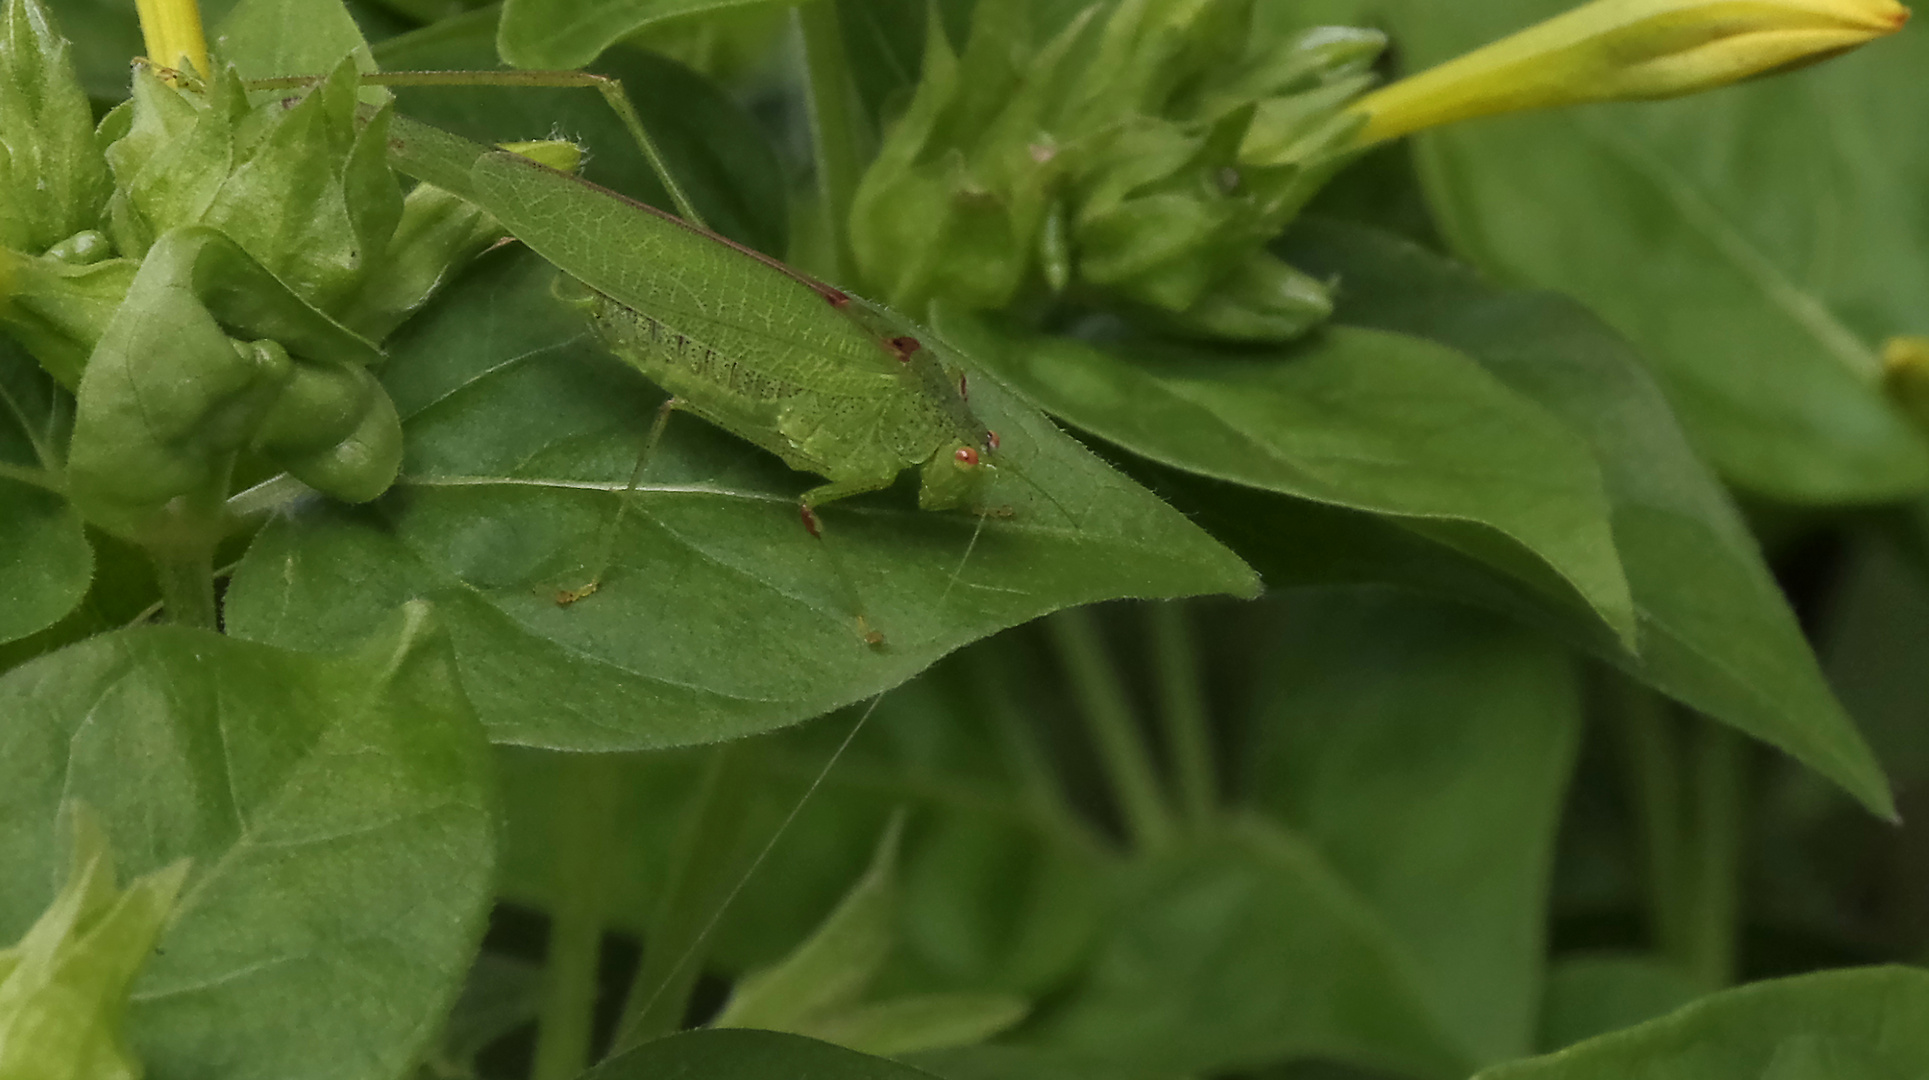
[[703, 935]]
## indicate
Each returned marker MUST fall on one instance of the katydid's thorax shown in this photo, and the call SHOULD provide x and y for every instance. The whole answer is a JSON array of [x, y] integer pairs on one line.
[[861, 419]]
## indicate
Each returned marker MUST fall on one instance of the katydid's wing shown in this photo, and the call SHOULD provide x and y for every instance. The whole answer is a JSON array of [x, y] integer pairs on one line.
[[746, 306]]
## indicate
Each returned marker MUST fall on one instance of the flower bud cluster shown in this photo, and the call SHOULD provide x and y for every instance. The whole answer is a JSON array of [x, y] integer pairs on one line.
[[209, 272], [1142, 156]]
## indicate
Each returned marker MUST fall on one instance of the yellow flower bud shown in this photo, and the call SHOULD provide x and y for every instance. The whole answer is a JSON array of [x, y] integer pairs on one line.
[[1619, 50], [172, 29]]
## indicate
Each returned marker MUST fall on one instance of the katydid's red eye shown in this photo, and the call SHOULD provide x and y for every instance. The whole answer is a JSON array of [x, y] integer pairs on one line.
[[966, 456], [991, 439]]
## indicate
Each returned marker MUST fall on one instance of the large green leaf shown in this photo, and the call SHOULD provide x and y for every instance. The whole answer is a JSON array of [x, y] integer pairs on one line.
[[1245, 950], [338, 816], [1388, 423], [999, 893], [571, 33], [1715, 631], [711, 145], [1756, 243], [1861, 1024], [720, 616], [270, 38], [1425, 749], [747, 1055], [1593, 995], [48, 561]]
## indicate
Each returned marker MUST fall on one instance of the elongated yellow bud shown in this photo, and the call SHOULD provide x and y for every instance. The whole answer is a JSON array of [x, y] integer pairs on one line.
[[172, 29], [1618, 50]]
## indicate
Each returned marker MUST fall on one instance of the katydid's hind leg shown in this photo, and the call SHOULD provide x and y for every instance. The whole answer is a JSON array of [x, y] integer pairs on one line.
[[807, 511], [566, 597]]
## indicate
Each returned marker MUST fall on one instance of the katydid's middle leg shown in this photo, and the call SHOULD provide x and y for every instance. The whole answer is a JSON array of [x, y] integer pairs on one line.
[[566, 597], [807, 511]]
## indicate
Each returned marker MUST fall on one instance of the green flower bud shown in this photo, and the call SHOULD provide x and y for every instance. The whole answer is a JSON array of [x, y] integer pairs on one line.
[[64, 987], [1905, 362], [57, 309], [170, 398], [333, 428], [1263, 299], [1617, 50], [297, 182], [51, 170]]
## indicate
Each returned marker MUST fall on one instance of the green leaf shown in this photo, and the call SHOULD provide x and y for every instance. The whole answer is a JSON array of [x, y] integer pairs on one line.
[[571, 33], [917, 1022], [713, 147], [1755, 244], [1023, 1063], [49, 562], [746, 1055], [1859, 1024], [1593, 995], [832, 967], [720, 615], [1244, 951], [1424, 749], [268, 39], [1387, 423], [63, 988], [51, 168], [336, 808], [1000, 890], [1715, 630]]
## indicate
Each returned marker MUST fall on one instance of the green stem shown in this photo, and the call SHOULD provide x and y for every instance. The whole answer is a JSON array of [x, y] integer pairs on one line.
[[1716, 845], [833, 125], [1692, 828], [566, 1022], [1108, 716], [1188, 733], [1654, 774], [45, 479], [703, 866], [186, 579]]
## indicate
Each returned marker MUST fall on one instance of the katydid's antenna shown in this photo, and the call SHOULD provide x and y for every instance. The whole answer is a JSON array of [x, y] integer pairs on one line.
[[625, 1033]]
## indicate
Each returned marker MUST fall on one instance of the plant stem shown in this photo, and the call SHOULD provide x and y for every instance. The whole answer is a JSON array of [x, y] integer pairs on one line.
[[186, 579], [1716, 851], [1691, 827], [1108, 716], [702, 866], [1188, 733], [565, 1025], [833, 125]]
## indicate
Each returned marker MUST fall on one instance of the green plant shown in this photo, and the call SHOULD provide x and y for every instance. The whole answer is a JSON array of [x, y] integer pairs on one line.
[[305, 463]]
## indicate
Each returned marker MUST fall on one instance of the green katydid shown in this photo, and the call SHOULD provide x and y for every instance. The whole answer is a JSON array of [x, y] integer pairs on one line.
[[829, 383]]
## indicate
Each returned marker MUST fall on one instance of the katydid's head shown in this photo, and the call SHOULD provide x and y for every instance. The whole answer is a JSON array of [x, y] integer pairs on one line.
[[956, 476]]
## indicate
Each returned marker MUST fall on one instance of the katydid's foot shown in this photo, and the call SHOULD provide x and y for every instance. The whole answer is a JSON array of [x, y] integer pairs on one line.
[[566, 597], [810, 520], [871, 637]]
